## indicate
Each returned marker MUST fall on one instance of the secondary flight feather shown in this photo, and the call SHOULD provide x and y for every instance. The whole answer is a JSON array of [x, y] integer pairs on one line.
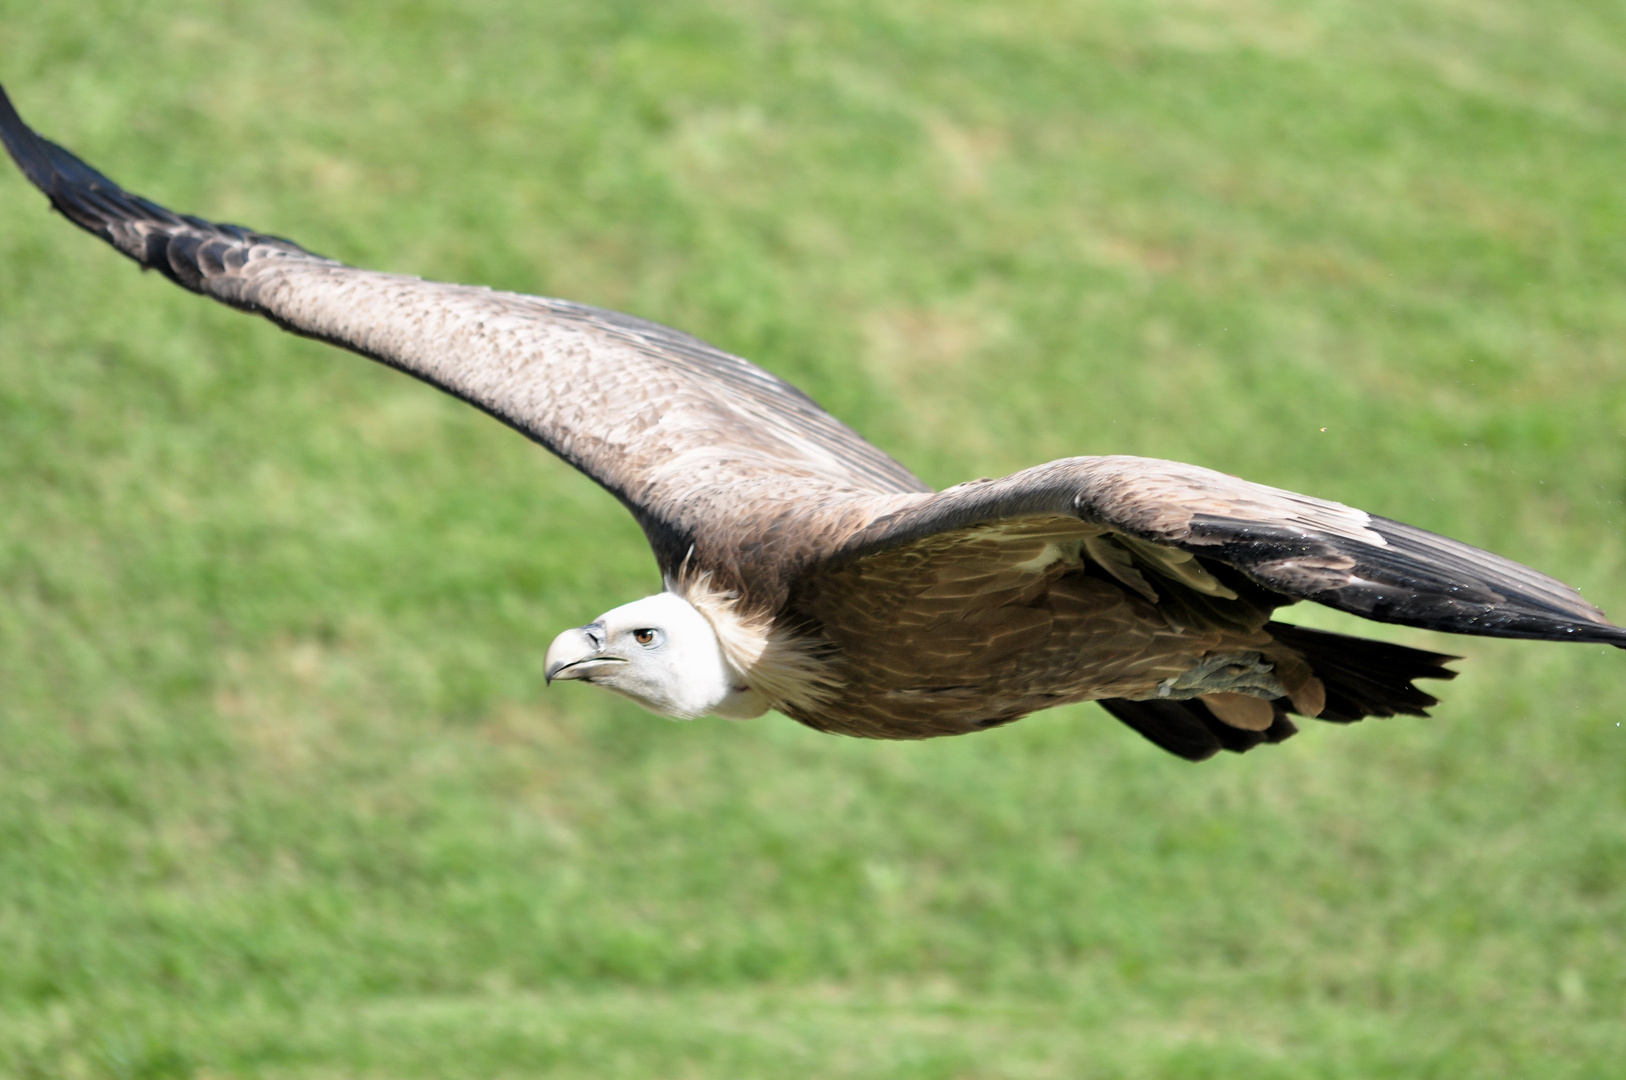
[[806, 571]]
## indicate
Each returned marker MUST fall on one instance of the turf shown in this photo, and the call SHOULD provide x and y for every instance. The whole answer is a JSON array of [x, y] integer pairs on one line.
[[282, 793]]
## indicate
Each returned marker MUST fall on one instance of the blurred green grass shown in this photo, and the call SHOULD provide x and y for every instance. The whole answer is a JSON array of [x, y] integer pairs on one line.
[[282, 793]]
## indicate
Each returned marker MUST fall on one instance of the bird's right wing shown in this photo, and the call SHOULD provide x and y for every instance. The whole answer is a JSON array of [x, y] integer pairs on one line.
[[661, 419]]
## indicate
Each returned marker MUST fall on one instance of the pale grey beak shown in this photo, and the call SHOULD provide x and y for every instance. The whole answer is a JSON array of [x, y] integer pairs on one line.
[[575, 654]]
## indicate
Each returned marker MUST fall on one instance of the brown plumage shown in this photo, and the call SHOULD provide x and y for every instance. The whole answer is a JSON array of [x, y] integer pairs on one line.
[[842, 590]]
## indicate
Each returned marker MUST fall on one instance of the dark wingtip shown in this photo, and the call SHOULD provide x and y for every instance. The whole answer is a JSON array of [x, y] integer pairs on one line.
[[152, 235], [37, 157], [26, 148], [1431, 581], [80, 193]]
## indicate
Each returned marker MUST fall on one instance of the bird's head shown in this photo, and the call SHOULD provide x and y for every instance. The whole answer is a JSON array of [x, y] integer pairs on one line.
[[662, 653]]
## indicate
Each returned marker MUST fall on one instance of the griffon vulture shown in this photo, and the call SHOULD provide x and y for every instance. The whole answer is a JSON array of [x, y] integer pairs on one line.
[[806, 571]]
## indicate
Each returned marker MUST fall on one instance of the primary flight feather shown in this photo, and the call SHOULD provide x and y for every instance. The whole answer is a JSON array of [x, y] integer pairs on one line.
[[807, 571]]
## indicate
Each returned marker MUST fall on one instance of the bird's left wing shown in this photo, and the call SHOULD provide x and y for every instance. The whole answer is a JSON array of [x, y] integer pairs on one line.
[[688, 437], [1144, 521]]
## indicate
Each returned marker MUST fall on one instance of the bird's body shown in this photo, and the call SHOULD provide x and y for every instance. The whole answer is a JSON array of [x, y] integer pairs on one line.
[[807, 571]]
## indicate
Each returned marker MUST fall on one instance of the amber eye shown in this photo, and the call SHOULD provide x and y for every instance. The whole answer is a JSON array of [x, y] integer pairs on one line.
[[643, 637]]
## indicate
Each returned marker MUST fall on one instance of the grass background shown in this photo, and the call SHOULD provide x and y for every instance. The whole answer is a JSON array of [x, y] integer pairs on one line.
[[282, 793]]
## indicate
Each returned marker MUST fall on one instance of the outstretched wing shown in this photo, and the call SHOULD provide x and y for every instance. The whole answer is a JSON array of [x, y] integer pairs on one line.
[[656, 416], [1160, 527]]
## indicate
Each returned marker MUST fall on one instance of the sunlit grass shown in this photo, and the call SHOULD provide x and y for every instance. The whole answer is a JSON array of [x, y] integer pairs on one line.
[[282, 792]]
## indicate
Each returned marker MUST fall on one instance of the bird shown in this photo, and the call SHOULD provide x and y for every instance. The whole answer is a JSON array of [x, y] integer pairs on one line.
[[803, 570]]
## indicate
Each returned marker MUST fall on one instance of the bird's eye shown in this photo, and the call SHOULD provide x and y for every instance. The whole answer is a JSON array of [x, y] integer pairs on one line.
[[644, 637]]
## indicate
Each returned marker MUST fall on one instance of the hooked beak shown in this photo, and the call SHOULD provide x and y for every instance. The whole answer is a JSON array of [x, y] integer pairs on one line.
[[575, 654]]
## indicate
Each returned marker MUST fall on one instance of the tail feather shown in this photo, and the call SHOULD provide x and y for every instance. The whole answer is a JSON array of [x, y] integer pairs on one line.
[[1362, 678], [1187, 729], [1365, 677]]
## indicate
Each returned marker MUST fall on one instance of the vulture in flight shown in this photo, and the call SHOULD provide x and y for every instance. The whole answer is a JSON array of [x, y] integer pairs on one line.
[[807, 571]]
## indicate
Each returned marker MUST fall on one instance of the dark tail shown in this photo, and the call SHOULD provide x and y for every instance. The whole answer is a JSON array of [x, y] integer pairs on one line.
[[1362, 678]]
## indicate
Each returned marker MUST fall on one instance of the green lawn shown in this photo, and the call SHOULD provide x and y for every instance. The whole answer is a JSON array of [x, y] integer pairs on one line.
[[282, 793]]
